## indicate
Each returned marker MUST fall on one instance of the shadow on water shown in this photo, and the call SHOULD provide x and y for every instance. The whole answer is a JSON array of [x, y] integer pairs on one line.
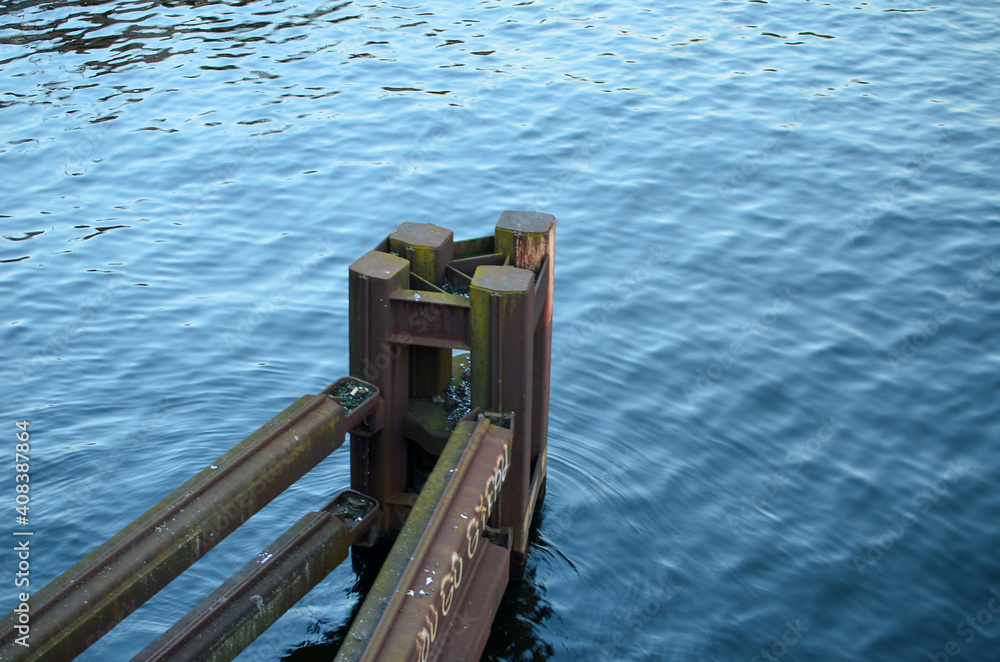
[[515, 634], [523, 610]]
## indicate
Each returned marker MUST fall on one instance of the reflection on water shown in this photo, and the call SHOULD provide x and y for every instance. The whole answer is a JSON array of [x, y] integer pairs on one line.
[[516, 630], [143, 26], [525, 611]]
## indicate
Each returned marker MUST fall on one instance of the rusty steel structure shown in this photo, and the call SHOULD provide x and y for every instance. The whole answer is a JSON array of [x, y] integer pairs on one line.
[[93, 596], [236, 613], [447, 410], [440, 586]]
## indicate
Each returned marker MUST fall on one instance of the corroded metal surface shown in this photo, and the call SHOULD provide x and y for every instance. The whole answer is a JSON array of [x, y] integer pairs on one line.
[[428, 247], [529, 239], [430, 319], [100, 591], [379, 459], [239, 611], [499, 305], [503, 301], [413, 299], [443, 574], [406, 543]]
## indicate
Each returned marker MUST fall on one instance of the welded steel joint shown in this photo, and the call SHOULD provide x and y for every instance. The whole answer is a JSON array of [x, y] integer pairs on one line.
[[421, 294]]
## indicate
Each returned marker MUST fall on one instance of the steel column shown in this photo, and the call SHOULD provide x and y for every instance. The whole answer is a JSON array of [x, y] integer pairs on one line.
[[429, 249], [529, 240], [379, 459]]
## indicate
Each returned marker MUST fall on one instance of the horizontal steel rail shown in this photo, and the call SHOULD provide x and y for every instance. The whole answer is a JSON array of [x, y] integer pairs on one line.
[[414, 299], [93, 596], [228, 620]]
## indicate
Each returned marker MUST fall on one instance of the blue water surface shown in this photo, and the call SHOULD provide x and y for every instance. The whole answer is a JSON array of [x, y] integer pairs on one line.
[[774, 419]]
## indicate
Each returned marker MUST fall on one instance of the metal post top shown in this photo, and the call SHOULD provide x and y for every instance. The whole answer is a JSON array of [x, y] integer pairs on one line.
[[379, 265], [503, 279], [526, 221], [421, 234]]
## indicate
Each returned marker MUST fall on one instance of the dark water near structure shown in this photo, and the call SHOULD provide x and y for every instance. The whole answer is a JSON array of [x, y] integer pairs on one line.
[[775, 422]]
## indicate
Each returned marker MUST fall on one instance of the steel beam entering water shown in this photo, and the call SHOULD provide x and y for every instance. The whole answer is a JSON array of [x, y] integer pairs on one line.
[[413, 300], [239, 611], [439, 589], [114, 580]]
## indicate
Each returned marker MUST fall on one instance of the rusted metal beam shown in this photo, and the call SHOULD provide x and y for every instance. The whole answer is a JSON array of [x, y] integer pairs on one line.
[[539, 469], [240, 610], [431, 319], [503, 314], [403, 548], [462, 635], [475, 246], [418, 283], [86, 601], [429, 248], [441, 569], [457, 278], [467, 265], [542, 293]]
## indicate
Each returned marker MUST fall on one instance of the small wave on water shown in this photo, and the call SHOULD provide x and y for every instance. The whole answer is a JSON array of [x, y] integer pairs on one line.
[[773, 415]]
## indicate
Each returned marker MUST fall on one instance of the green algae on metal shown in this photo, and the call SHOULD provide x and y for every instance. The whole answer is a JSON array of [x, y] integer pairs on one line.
[[350, 394]]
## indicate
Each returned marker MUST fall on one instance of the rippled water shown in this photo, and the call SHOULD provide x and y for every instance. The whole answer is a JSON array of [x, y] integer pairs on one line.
[[774, 418]]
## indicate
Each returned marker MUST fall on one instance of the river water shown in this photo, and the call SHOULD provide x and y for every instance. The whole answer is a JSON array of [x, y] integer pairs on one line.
[[774, 419]]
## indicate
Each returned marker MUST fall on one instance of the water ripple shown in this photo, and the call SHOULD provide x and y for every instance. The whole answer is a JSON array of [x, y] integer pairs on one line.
[[773, 329]]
